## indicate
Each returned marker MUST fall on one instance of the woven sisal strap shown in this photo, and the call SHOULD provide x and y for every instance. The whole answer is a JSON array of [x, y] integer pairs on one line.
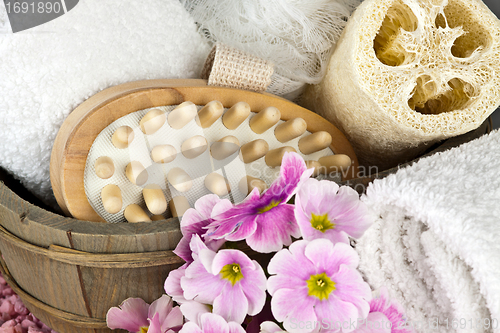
[[229, 67]]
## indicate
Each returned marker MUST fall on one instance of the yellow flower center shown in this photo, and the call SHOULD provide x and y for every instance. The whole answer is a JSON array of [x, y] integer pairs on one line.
[[321, 222], [143, 330], [232, 273], [320, 286], [269, 207]]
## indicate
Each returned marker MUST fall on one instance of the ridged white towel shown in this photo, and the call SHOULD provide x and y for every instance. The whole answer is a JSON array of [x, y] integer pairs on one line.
[[436, 244], [47, 71]]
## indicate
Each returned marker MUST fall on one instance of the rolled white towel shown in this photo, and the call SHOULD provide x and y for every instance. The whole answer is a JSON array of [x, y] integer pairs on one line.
[[46, 71], [436, 244]]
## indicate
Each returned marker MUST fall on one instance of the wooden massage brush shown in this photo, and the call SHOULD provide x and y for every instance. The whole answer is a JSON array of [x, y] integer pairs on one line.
[[148, 150]]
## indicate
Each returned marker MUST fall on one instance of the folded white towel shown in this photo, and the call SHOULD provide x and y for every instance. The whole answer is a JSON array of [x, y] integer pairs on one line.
[[436, 244], [46, 71]]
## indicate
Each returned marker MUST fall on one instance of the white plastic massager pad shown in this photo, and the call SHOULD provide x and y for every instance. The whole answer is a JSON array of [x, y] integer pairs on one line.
[[148, 150], [408, 73]]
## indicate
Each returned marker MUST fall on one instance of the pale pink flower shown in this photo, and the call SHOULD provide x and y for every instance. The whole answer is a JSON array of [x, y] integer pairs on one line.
[[317, 282], [193, 222], [323, 210], [385, 316], [173, 284], [193, 310], [254, 322], [266, 222], [270, 327], [189, 308], [212, 323], [230, 281], [137, 316]]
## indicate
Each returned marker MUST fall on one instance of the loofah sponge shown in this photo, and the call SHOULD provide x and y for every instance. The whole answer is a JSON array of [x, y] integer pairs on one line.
[[408, 73]]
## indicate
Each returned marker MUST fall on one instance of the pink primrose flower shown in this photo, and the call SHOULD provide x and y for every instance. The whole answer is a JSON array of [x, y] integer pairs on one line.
[[323, 210], [230, 281], [317, 282], [193, 222], [266, 222], [385, 316], [189, 308], [270, 327], [137, 316], [212, 323]]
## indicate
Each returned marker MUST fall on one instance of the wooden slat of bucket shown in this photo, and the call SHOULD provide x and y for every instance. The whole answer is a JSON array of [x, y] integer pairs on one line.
[[127, 238], [44, 278], [80, 258], [15, 215], [51, 316], [146, 283]]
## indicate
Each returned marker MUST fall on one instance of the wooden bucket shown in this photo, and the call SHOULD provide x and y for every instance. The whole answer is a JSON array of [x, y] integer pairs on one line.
[[61, 282]]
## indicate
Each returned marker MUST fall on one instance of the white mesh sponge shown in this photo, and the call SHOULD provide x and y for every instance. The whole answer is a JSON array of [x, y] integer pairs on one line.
[[408, 73], [296, 35]]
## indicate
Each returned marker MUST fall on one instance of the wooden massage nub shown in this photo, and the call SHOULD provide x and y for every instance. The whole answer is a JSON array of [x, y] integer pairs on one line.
[[147, 150]]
